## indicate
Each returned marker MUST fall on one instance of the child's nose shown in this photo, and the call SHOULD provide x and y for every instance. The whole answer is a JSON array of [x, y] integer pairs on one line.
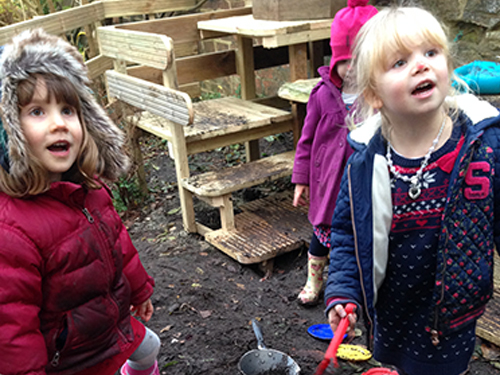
[[420, 66], [58, 122]]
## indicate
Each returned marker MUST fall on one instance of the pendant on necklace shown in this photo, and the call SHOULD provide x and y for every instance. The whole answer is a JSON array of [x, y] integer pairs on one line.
[[414, 191]]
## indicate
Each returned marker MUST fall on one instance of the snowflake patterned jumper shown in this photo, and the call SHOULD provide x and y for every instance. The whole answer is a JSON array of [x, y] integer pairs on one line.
[[406, 294]]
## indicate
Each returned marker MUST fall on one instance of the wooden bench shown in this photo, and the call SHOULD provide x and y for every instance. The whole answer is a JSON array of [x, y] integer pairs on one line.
[[170, 114]]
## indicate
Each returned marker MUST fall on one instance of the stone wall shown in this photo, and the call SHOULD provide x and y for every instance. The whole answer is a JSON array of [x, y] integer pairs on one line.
[[474, 26]]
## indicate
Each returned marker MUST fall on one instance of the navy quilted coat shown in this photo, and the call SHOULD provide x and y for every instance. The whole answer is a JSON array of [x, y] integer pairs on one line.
[[68, 275], [470, 226]]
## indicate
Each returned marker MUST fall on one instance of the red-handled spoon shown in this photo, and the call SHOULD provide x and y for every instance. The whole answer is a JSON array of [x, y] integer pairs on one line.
[[331, 352]]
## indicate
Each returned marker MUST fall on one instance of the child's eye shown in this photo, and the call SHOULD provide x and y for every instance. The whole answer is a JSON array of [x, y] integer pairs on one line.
[[68, 111], [36, 112], [431, 53], [399, 63]]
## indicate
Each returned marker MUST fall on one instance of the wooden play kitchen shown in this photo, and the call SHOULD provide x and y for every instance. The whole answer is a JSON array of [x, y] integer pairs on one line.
[[158, 66]]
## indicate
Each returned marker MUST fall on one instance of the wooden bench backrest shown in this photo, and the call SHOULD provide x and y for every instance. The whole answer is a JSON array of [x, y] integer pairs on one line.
[[153, 50], [159, 100]]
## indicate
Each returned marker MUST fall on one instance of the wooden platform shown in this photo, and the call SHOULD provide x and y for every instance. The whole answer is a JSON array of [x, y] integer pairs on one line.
[[222, 121], [488, 327], [265, 229]]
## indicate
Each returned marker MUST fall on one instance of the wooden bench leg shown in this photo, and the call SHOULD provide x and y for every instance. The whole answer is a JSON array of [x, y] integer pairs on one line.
[[182, 171], [252, 151], [226, 212]]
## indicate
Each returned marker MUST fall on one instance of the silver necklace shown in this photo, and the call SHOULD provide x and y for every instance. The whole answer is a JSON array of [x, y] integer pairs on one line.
[[415, 184]]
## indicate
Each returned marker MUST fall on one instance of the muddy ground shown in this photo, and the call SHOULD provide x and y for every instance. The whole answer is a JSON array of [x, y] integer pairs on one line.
[[205, 300]]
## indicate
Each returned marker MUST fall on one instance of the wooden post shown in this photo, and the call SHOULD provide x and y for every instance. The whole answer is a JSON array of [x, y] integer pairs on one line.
[[89, 33], [180, 152], [227, 213], [317, 54], [246, 70], [298, 61]]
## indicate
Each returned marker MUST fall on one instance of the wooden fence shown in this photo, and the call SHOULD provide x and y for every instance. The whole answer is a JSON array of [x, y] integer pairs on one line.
[[90, 16]]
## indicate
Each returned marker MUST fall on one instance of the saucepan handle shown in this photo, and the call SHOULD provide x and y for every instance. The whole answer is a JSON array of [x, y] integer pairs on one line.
[[258, 335]]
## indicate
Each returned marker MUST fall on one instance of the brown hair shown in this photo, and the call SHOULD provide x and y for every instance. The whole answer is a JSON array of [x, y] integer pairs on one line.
[[85, 168]]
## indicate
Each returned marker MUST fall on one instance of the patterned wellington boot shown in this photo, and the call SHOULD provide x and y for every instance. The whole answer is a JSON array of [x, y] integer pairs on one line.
[[127, 370], [309, 296]]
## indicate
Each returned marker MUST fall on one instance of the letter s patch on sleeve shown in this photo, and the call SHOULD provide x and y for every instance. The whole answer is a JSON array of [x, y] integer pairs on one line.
[[481, 184]]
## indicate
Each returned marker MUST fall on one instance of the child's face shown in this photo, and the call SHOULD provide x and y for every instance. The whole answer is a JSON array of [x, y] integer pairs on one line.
[[53, 131], [342, 68], [412, 83]]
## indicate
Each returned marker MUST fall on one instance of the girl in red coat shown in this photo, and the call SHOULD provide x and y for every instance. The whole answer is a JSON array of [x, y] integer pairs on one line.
[[69, 273]]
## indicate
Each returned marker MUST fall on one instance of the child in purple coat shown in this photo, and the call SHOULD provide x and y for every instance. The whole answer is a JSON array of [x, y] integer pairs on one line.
[[322, 151]]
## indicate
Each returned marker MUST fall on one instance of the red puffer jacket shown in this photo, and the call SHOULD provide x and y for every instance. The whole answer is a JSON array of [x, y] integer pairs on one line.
[[68, 275]]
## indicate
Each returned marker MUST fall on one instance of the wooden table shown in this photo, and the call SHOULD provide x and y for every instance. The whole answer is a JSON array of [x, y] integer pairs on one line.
[[294, 34]]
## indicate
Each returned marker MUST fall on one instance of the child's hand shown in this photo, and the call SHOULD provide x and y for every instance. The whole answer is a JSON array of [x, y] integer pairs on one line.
[[143, 311], [301, 195], [336, 314]]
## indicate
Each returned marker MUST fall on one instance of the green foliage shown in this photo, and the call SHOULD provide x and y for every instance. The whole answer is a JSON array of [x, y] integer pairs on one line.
[[126, 193]]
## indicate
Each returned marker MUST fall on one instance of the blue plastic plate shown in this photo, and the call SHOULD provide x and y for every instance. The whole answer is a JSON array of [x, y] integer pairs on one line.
[[321, 332]]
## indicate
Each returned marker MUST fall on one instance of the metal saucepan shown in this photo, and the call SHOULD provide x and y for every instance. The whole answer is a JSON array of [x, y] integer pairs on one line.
[[263, 361]]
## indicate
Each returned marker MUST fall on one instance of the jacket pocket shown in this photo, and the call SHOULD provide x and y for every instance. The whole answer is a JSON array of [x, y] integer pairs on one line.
[[58, 342]]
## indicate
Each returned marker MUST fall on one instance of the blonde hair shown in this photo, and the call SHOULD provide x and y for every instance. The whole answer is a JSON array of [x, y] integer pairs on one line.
[[37, 180], [392, 30]]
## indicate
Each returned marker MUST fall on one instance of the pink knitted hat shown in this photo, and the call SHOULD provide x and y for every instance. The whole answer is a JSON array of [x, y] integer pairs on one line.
[[345, 27]]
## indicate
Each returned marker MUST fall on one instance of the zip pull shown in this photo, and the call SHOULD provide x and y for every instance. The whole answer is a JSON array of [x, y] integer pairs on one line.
[[435, 337], [55, 359], [88, 215]]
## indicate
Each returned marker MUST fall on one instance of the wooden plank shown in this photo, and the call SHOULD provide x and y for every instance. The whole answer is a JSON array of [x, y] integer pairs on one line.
[[238, 134], [291, 10], [299, 90], [159, 100], [148, 49], [249, 26], [228, 180], [121, 8], [182, 28], [206, 66], [209, 66], [296, 38], [57, 23], [98, 65]]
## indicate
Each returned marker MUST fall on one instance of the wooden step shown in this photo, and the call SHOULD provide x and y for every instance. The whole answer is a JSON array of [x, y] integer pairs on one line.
[[228, 180], [265, 229]]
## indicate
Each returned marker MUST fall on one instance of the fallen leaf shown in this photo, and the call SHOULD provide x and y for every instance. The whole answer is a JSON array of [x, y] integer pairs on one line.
[[196, 285], [241, 286], [199, 271], [205, 313], [490, 352], [165, 329], [173, 211]]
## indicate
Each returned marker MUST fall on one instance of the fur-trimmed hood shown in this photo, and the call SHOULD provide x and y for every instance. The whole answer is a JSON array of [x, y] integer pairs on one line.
[[35, 51]]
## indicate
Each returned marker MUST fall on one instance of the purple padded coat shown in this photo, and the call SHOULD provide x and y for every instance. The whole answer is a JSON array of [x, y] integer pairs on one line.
[[322, 151]]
